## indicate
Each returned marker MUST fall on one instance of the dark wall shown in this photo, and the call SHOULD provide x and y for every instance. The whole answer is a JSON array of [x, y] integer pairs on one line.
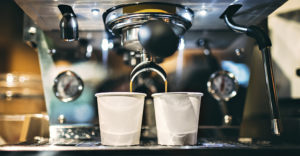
[[11, 26]]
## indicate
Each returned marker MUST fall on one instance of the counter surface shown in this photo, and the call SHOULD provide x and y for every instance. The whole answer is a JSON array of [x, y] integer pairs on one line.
[[149, 148]]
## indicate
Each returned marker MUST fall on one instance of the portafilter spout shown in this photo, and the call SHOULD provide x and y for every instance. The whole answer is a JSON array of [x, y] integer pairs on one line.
[[264, 44], [148, 66]]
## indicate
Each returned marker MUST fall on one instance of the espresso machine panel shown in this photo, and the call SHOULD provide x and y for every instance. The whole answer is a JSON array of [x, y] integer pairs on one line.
[[47, 16], [106, 35]]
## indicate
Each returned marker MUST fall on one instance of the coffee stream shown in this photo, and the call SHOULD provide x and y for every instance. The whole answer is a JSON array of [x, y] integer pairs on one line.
[[130, 86], [166, 86]]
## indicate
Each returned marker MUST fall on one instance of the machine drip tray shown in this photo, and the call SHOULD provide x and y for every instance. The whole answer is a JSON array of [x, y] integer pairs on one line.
[[150, 147], [205, 146], [150, 144]]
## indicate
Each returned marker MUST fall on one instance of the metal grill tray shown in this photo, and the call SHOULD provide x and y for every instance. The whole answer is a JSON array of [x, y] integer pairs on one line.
[[145, 145]]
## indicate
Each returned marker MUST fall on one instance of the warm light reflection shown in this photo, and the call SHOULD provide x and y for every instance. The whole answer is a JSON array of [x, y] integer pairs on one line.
[[9, 79]]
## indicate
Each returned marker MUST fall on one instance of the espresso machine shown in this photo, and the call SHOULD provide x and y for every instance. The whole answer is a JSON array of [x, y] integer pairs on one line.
[[84, 47]]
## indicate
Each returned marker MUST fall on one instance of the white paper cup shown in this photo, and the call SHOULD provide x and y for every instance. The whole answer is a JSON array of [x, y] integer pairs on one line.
[[120, 117], [177, 116]]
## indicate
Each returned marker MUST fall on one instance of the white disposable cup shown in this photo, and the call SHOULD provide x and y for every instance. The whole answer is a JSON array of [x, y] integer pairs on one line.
[[177, 116], [120, 117]]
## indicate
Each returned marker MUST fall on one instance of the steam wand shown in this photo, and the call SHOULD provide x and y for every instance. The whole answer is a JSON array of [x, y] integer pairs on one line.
[[264, 44]]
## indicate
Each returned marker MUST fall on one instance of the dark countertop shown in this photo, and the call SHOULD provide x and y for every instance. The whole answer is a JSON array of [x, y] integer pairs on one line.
[[203, 148]]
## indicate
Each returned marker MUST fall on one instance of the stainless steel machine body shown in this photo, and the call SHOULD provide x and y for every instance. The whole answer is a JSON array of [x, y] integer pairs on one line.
[[77, 115], [70, 104]]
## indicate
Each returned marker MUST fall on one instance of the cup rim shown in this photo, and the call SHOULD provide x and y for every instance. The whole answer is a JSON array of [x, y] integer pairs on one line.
[[182, 93], [120, 94]]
